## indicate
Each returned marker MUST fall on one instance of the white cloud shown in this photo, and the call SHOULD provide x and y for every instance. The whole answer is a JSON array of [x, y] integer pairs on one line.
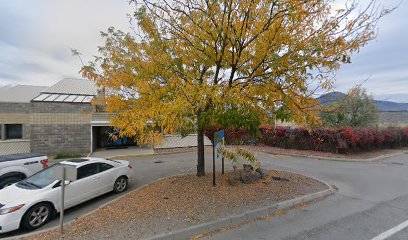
[[44, 32], [37, 36]]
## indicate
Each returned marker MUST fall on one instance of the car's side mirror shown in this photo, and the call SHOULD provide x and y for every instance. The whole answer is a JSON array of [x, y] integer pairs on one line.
[[67, 182]]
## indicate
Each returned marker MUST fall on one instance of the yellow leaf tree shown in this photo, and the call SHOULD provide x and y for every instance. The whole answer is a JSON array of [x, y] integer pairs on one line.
[[187, 62]]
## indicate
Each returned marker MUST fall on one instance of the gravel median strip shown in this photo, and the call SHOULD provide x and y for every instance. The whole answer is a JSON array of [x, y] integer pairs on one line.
[[175, 203]]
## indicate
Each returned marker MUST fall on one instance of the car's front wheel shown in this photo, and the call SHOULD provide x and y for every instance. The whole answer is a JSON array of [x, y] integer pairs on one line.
[[37, 216], [121, 184]]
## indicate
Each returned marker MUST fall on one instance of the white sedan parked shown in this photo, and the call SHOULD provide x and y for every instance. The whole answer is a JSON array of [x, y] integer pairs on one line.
[[31, 202]]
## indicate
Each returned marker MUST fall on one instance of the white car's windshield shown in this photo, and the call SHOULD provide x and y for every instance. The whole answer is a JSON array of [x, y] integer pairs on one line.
[[40, 179]]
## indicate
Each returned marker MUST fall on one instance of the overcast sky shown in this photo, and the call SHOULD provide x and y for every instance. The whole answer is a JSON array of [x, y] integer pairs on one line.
[[36, 38]]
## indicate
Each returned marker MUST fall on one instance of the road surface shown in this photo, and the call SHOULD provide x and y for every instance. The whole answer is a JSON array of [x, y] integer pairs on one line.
[[371, 204]]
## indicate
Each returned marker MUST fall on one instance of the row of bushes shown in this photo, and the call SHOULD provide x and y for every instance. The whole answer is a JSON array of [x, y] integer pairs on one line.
[[319, 139]]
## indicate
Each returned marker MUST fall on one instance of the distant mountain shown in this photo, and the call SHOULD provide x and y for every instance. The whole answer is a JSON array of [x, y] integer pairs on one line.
[[383, 106], [331, 97], [393, 97]]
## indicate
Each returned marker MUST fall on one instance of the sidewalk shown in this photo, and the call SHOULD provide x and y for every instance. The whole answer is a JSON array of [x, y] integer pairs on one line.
[[359, 157], [117, 153]]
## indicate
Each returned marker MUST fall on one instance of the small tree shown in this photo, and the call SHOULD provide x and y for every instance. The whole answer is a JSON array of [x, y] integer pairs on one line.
[[357, 108], [188, 62]]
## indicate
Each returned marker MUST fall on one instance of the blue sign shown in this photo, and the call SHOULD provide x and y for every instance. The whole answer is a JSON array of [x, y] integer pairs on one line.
[[218, 143]]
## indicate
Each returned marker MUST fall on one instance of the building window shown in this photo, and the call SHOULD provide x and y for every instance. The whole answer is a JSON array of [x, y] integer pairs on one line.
[[14, 131]]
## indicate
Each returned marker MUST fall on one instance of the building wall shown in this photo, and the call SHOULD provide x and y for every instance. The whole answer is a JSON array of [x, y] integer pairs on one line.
[[6, 107], [60, 127], [61, 138], [15, 113], [47, 127], [58, 107]]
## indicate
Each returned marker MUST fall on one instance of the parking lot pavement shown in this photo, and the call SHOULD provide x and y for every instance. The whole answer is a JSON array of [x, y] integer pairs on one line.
[[147, 169]]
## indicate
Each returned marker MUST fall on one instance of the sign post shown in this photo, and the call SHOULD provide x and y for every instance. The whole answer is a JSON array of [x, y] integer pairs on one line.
[[218, 144], [64, 173], [214, 147], [61, 223]]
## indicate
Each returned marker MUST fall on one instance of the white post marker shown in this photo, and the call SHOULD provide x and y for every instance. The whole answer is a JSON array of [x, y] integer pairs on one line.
[[62, 203], [64, 173], [391, 231]]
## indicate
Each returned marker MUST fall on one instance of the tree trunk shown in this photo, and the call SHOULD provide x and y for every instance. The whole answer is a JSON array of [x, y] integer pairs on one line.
[[200, 150]]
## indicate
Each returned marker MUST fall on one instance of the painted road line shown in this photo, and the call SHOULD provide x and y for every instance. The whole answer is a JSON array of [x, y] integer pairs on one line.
[[391, 231]]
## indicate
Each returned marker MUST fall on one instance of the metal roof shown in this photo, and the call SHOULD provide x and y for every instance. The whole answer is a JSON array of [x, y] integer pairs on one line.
[[19, 93], [54, 97], [73, 86], [68, 90]]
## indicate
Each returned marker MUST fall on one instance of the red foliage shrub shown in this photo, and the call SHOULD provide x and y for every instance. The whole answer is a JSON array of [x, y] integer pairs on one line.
[[232, 136], [392, 137], [319, 139], [404, 136], [209, 132], [351, 137]]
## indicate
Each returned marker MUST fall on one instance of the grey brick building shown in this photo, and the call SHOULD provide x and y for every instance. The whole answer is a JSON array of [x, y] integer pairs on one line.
[[61, 119], [51, 120]]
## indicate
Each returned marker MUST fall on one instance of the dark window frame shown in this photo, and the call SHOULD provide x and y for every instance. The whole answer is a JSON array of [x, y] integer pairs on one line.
[[18, 135], [101, 168], [79, 168]]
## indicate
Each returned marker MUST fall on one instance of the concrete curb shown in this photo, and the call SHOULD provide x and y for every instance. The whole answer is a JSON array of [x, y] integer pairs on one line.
[[373, 159], [152, 154], [187, 233], [131, 156]]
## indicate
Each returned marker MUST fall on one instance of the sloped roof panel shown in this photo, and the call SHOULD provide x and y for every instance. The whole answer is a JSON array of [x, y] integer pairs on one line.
[[19, 93], [73, 86]]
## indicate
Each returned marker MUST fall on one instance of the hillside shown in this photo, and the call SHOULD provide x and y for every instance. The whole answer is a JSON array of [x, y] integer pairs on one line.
[[383, 106]]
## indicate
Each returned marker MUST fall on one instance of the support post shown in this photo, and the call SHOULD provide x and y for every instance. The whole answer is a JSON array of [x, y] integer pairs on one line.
[[61, 224], [3, 131], [214, 165], [222, 165], [152, 147]]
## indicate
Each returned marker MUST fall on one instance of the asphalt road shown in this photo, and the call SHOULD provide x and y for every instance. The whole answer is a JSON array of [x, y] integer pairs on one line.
[[372, 198]]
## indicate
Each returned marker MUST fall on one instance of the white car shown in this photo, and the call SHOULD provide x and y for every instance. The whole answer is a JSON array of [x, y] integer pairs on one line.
[[31, 202]]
